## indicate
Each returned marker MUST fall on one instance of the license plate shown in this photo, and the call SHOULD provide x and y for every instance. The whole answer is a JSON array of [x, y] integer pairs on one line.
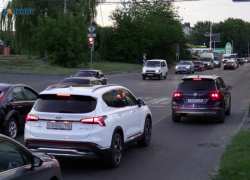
[[59, 125], [195, 100], [150, 74]]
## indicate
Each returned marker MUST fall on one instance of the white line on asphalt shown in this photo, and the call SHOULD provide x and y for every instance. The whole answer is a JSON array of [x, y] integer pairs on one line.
[[156, 106], [148, 102], [160, 100], [166, 102]]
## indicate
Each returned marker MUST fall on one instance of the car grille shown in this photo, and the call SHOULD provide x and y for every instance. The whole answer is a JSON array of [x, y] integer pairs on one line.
[[181, 67], [150, 71]]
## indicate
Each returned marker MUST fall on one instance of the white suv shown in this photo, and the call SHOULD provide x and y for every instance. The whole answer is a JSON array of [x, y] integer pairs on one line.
[[155, 68], [88, 122]]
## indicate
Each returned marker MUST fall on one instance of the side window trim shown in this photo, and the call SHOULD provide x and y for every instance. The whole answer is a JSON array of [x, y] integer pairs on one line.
[[132, 96]]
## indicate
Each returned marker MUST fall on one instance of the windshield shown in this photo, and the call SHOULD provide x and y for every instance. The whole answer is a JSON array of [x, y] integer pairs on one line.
[[197, 63], [205, 59], [85, 74], [184, 63], [152, 64]]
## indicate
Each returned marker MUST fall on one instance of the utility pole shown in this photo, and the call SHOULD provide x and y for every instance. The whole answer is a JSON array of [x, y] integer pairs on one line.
[[65, 6], [91, 49], [210, 44]]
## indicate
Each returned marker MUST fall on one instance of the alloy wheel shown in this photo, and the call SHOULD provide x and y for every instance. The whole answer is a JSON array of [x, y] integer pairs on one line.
[[12, 129], [117, 149], [148, 131]]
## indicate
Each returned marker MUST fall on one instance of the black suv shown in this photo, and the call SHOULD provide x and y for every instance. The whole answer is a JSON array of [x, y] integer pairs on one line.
[[16, 101], [201, 95]]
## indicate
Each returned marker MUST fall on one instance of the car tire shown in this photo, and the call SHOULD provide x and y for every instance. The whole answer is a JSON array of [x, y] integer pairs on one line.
[[176, 118], [116, 151], [147, 134], [221, 118], [176, 72], [189, 72], [228, 112], [143, 77], [12, 128], [192, 72], [160, 77], [165, 77]]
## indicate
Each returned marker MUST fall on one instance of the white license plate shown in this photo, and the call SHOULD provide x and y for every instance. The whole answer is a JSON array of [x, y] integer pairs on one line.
[[195, 100], [150, 74], [59, 125]]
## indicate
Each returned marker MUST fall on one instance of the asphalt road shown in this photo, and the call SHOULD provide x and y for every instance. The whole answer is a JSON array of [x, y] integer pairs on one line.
[[189, 150]]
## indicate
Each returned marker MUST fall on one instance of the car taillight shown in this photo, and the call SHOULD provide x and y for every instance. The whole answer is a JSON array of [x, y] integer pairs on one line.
[[95, 120], [215, 95], [225, 64], [31, 118], [232, 64], [196, 79], [177, 94], [2, 94]]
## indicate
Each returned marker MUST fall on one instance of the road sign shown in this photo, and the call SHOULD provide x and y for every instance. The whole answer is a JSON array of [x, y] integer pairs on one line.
[[216, 37], [91, 35], [91, 29]]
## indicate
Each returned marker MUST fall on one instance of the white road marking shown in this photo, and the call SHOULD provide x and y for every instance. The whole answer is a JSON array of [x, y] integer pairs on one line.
[[153, 100], [166, 102], [160, 101]]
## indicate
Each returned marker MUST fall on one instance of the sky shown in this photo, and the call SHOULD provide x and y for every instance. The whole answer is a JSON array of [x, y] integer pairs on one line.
[[189, 11]]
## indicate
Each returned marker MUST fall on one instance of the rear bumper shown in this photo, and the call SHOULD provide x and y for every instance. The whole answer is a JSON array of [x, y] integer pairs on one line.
[[216, 111], [67, 149], [228, 67]]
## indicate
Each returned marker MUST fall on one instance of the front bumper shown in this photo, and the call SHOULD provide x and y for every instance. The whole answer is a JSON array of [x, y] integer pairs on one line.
[[67, 149], [207, 66], [151, 74], [182, 70], [213, 111]]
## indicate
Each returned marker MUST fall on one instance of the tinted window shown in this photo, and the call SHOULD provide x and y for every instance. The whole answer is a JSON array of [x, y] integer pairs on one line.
[[223, 85], [18, 94], [130, 98], [65, 104], [197, 63], [190, 84], [107, 98], [75, 81], [30, 94], [205, 59], [152, 64], [118, 99], [184, 63], [218, 84], [12, 156], [85, 74]]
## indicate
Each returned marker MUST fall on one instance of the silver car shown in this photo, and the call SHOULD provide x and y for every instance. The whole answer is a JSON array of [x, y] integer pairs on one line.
[[184, 66], [17, 162]]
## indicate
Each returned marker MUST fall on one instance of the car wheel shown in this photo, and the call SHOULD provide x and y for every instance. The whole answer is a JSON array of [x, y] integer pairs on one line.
[[145, 141], [176, 118], [143, 77], [189, 72], [221, 118], [116, 151], [160, 77], [165, 77], [12, 128], [228, 112], [192, 72], [176, 72]]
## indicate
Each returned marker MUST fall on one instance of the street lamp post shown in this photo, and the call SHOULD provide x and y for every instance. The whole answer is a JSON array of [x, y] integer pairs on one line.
[[232, 45]]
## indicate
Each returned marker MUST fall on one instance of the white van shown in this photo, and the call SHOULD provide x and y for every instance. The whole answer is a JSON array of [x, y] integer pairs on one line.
[[155, 68], [208, 60]]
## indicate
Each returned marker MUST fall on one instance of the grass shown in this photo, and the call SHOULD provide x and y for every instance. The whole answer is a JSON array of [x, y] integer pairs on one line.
[[38, 66], [235, 161]]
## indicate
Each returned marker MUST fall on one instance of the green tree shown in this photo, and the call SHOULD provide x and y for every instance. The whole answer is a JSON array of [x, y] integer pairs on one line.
[[64, 39], [199, 29]]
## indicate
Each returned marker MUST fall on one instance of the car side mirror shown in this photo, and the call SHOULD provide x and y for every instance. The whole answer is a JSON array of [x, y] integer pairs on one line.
[[37, 162], [141, 102], [229, 87]]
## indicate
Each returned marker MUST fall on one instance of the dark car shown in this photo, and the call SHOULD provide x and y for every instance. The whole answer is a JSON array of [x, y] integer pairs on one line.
[[217, 62], [16, 101], [241, 61], [198, 65], [230, 65], [77, 80], [17, 162], [201, 95], [92, 73]]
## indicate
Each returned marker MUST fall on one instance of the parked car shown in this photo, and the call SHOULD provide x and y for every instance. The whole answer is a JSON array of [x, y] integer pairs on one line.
[[241, 61], [16, 101], [198, 65], [77, 80], [184, 66], [92, 73], [201, 95], [230, 65], [155, 68], [17, 162], [79, 122]]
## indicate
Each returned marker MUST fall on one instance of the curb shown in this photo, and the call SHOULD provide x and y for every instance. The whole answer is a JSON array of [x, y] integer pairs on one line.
[[245, 123]]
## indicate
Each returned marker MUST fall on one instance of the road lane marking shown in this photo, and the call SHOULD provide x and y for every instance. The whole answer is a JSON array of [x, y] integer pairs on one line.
[[166, 102], [160, 101]]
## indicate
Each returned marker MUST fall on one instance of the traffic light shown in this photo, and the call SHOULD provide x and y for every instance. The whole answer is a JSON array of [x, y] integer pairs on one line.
[[91, 42], [210, 49]]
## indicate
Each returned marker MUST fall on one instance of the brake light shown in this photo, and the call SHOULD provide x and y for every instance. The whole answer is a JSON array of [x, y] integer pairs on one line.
[[215, 95], [232, 64], [225, 64], [197, 79], [31, 118], [177, 94], [66, 95], [57, 85], [95, 120], [2, 94]]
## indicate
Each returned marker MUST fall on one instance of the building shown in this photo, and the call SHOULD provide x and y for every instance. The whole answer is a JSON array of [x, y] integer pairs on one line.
[[187, 29]]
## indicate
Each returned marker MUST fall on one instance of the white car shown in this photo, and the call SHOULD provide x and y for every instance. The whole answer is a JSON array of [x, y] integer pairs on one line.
[[155, 68], [88, 122]]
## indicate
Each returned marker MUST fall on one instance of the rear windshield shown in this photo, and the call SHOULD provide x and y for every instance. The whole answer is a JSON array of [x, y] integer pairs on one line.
[[191, 85], [75, 81], [205, 59], [65, 104], [85, 74], [197, 62]]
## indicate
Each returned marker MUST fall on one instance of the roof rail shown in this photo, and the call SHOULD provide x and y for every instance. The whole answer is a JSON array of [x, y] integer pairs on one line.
[[185, 76], [215, 75], [103, 86]]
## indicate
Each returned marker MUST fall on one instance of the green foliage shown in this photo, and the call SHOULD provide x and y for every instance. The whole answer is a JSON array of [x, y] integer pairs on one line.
[[64, 39], [199, 29], [149, 28]]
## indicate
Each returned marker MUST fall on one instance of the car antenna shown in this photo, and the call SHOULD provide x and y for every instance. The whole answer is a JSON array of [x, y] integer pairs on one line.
[[6, 79]]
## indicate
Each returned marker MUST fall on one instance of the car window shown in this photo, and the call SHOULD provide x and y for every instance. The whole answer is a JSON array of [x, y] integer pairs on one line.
[[18, 94], [223, 85], [85, 74], [30, 94], [10, 97], [132, 101], [152, 64], [107, 98], [218, 84], [118, 99], [12, 156]]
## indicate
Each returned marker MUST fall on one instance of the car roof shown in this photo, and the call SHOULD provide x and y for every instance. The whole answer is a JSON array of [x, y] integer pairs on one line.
[[200, 76], [157, 60], [8, 86], [92, 90]]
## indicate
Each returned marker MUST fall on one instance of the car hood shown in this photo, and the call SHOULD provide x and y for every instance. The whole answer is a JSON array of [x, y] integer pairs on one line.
[[151, 68]]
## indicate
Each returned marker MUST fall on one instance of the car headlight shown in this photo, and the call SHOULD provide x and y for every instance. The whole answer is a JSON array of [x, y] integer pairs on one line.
[[208, 64], [143, 70], [157, 70], [176, 67], [187, 67]]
